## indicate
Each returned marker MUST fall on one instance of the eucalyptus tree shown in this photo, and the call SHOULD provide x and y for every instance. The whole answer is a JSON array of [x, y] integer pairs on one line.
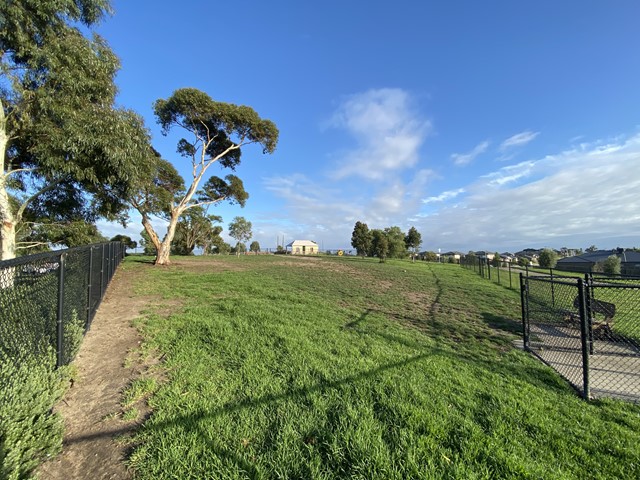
[[126, 239], [240, 230], [195, 229], [361, 238], [217, 132], [396, 240], [379, 244], [61, 136], [412, 241]]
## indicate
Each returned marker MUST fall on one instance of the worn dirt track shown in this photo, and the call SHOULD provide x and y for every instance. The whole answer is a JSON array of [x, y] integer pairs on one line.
[[90, 406]]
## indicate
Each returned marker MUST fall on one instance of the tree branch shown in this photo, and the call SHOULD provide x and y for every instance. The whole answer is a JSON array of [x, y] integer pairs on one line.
[[18, 170], [26, 203], [25, 245], [200, 204]]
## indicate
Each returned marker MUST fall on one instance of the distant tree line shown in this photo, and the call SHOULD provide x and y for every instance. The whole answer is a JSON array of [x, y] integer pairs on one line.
[[390, 242]]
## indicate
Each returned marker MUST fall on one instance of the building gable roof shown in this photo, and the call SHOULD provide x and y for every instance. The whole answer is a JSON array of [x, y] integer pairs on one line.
[[303, 243]]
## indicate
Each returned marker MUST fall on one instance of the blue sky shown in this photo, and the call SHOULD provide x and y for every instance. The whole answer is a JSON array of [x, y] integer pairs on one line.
[[489, 125]]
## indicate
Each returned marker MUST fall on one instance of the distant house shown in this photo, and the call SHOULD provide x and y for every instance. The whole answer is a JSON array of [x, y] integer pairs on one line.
[[485, 255], [529, 253], [629, 261], [456, 255], [507, 257], [303, 247]]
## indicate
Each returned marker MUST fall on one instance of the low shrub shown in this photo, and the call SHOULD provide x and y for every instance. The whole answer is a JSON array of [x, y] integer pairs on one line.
[[29, 430]]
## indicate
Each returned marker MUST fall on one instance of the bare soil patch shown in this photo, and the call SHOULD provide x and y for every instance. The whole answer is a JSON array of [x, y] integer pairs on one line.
[[90, 406]]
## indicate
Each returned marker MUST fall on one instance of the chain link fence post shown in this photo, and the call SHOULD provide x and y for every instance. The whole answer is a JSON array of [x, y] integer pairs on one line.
[[60, 313], [510, 279], [523, 303], [584, 338], [89, 281]]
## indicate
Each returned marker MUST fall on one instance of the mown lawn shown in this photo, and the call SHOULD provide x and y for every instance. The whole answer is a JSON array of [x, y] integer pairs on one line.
[[331, 367]]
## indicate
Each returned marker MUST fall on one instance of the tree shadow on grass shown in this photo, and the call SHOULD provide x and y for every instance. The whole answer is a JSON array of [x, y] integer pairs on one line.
[[466, 353], [498, 322], [140, 259], [199, 417]]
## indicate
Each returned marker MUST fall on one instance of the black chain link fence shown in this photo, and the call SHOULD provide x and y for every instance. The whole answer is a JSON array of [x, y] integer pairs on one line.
[[586, 329], [48, 300], [502, 273]]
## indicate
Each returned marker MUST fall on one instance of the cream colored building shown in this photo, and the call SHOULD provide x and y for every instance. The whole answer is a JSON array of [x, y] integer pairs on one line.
[[303, 247]]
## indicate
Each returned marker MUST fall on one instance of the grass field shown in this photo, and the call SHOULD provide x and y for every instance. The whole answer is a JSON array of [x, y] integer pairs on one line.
[[278, 367]]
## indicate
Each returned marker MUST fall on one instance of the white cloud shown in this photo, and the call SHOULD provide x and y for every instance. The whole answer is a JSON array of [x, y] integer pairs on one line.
[[509, 174], [388, 132], [518, 140], [583, 196], [466, 158], [328, 214], [574, 198], [444, 196]]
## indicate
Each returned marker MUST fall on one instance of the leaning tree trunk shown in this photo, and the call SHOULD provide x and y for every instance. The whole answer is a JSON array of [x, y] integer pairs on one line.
[[164, 248], [162, 258]]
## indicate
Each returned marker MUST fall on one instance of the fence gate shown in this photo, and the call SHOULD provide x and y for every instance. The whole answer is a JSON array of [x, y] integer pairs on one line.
[[587, 330]]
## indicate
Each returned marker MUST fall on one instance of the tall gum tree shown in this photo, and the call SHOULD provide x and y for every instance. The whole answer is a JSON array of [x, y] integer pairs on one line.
[[217, 133], [58, 121]]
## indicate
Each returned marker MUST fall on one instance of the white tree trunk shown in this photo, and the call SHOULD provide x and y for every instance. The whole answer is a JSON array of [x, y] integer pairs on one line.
[[164, 248], [7, 218]]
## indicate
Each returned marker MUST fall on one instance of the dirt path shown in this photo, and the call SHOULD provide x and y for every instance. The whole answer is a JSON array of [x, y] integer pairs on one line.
[[89, 449]]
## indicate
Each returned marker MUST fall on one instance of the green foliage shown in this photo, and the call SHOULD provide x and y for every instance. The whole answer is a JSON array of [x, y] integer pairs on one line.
[[413, 240], [496, 260], [195, 229], [218, 246], [239, 248], [128, 242], [230, 189], [612, 264], [158, 187], [395, 239], [254, 247], [197, 112], [523, 261], [431, 256], [548, 258], [73, 334], [63, 234], [147, 244], [592, 249], [72, 154], [240, 229], [379, 244], [29, 431], [361, 238]]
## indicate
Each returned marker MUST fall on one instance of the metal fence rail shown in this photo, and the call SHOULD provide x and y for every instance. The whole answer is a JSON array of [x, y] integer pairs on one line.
[[48, 300], [586, 329]]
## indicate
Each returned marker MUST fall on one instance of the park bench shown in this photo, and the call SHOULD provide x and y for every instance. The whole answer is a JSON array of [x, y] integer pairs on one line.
[[606, 309]]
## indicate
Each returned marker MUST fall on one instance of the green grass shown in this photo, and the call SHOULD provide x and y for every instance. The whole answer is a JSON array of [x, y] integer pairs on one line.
[[347, 368]]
